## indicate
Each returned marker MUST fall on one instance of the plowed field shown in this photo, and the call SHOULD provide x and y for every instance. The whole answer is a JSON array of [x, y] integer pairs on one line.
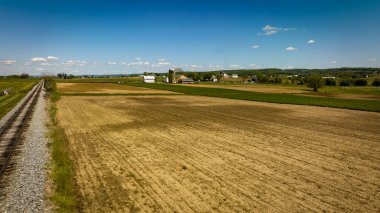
[[201, 154], [108, 88]]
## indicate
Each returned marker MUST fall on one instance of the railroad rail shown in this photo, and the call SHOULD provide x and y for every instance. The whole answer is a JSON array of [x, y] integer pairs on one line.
[[11, 131]]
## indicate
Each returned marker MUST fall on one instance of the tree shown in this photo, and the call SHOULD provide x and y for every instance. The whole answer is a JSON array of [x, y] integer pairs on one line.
[[277, 80], [314, 82], [244, 77], [360, 82], [24, 75], [345, 83], [330, 82], [376, 82]]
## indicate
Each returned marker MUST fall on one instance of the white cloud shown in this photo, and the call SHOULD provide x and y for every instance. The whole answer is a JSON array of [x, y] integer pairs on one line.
[[138, 59], [311, 41], [333, 62], [195, 66], [164, 63], [8, 62], [44, 64], [111, 63], [270, 30], [40, 69], [252, 65], [372, 59], [255, 46], [234, 66], [38, 60], [162, 59], [52, 58], [291, 48]]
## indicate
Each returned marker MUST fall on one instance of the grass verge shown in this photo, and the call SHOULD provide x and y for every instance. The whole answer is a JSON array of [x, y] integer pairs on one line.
[[364, 105], [64, 194]]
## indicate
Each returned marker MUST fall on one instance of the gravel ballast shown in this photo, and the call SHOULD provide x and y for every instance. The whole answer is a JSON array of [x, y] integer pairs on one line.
[[26, 190]]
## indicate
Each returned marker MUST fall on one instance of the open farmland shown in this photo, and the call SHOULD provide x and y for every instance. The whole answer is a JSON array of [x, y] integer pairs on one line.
[[257, 88], [360, 93], [106, 88], [193, 153], [19, 90]]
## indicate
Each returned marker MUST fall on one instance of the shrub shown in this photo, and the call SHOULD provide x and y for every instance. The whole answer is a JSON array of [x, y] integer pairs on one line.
[[360, 82], [330, 82], [376, 82], [345, 83]]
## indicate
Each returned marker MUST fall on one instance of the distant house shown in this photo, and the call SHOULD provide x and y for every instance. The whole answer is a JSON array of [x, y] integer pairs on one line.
[[234, 76], [214, 78], [224, 75], [149, 79]]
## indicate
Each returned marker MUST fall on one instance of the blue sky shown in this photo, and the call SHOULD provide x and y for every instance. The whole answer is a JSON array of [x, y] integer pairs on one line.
[[110, 37]]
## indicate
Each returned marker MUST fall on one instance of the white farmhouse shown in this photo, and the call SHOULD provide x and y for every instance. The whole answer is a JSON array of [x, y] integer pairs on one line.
[[234, 76]]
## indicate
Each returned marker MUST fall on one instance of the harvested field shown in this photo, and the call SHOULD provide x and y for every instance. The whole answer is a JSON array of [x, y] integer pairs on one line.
[[356, 93], [106, 88], [255, 88], [345, 96], [191, 153]]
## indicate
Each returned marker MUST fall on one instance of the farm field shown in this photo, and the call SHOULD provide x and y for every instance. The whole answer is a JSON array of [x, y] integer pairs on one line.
[[201, 154], [278, 89], [20, 89], [284, 98], [361, 93], [106, 88]]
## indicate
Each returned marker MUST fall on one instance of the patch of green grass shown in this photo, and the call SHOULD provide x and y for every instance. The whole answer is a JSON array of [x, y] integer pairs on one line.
[[64, 195], [20, 89], [368, 90], [365, 105]]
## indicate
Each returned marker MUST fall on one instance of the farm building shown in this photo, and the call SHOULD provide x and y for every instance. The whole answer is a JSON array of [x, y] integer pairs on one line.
[[224, 75], [234, 76], [6, 91], [172, 75], [214, 78], [149, 79], [185, 80]]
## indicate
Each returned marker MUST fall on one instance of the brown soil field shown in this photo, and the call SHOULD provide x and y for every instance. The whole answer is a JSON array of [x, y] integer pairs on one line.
[[288, 90], [202, 154], [345, 96], [254, 88], [106, 88]]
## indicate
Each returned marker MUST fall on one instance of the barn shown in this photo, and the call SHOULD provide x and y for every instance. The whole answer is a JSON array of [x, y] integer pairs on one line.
[[185, 80]]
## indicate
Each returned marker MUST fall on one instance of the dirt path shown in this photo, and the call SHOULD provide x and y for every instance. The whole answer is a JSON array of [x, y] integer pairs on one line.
[[200, 154]]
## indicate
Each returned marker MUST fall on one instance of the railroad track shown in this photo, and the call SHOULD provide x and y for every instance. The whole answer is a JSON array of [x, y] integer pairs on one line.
[[11, 131]]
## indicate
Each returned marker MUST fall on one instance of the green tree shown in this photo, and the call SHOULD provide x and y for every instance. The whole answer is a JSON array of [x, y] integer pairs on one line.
[[330, 82], [360, 82], [244, 77], [376, 82], [314, 82]]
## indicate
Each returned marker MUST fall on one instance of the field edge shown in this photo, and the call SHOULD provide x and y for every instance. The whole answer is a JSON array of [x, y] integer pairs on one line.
[[63, 193]]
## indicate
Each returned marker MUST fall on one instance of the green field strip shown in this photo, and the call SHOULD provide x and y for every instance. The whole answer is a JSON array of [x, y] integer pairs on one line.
[[354, 104]]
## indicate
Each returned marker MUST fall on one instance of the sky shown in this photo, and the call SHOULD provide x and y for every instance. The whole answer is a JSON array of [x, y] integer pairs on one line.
[[124, 37]]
